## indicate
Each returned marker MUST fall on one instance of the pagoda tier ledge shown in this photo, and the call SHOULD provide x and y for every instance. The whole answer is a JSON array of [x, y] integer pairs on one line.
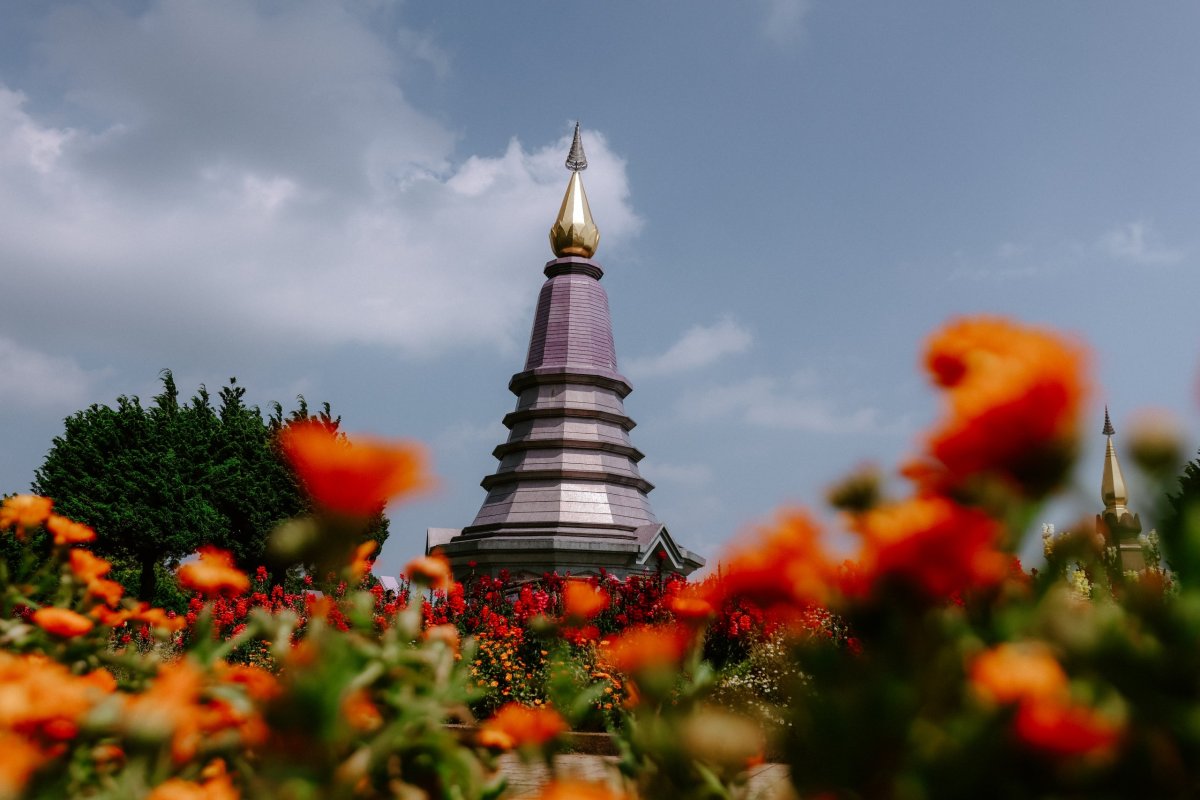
[[574, 412], [582, 530], [589, 376], [520, 476], [573, 265], [564, 443]]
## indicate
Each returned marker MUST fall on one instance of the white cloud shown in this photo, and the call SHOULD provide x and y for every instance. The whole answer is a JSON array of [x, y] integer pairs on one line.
[[36, 380], [1137, 243], [267, 186], [797, 404], [698, 347], [783, 20]]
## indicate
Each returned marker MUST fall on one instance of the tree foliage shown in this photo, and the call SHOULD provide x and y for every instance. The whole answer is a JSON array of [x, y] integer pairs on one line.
[[158, 482]]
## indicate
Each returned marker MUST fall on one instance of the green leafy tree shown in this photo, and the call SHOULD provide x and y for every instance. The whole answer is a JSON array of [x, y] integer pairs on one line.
[[159, 482]]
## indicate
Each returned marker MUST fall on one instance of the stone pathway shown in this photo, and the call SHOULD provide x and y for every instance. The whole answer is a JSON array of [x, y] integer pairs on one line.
[[767, 781]]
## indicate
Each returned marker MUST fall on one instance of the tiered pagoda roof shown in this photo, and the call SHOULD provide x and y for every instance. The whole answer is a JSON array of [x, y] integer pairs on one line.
[[567, 495]]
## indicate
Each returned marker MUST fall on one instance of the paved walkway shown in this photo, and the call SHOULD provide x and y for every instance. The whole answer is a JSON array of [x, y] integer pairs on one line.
[[767, 781]]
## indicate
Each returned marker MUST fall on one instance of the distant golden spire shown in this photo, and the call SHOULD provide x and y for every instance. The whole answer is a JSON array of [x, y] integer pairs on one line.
[[574, 233], [1112, 485]]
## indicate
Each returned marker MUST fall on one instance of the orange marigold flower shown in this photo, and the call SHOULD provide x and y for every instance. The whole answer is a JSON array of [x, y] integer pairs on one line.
[[108, 592], [88, 567], [260, 684], [515, 725], [42, 697], [217, 787], [62, 622], [24, 511], [1064, 730], [360, 711], [432, 571], [351, 478], [159, 618], [1012, 672], [785, 565], [645, 647], [446, 634], [582, 600], [361, 562], [691, 609], [577, 790], [1014, 392], [213, 574], [100, 679], [931, 544], [68, 532], [20, 760]]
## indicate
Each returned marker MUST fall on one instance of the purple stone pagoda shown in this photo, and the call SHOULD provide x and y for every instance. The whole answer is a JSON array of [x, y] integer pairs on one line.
[[567, 495]]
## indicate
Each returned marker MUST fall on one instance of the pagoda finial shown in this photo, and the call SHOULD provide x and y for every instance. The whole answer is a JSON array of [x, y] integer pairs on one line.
[[1112, 484], [574, 233], [576, 160]]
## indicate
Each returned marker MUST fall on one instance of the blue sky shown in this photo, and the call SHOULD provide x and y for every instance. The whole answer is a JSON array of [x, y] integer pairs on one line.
[[350, 200]]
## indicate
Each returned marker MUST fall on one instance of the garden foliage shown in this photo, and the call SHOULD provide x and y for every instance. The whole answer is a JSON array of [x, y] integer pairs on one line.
[[928, 664]]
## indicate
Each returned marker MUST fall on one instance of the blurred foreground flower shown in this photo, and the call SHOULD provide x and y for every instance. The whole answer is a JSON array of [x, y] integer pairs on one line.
[[213, 574], [24, 511], [1014, 393], [352, 478]]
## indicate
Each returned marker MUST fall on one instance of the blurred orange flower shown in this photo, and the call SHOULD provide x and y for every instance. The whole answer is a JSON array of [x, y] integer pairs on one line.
[[931, 544], [19, 761], [1016, 671], [62, 622], [360, 563], [645, 647], [67, 532], [260, 684], [217, 786], [582, 600], [351, 478], [432, 571], [577, 790], [213, 574], [515, 725], [360, 711], [88, 567], [782, 565], [1014, 392], [447, 634], [41, 697], [690, 608], [108, 592], [24, 511]]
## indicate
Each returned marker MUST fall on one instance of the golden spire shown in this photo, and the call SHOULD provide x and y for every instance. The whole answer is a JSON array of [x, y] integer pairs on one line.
[[574, 233], [1112, 485]]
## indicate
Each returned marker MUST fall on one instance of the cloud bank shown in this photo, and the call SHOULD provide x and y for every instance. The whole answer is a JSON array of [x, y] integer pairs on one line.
[[251, 177]]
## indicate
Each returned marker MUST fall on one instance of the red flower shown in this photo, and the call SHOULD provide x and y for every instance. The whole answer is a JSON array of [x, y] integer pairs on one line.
[[1063, 730], [353, 479]]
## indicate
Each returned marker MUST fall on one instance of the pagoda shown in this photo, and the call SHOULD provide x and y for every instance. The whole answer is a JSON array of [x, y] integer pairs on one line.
[[1117, 523], [567, 496]]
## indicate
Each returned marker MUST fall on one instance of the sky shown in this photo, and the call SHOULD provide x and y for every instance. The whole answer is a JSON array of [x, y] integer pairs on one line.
[[350, 199]]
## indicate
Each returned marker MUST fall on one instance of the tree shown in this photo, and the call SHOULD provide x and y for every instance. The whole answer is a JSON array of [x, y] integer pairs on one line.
[[157, 483]]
